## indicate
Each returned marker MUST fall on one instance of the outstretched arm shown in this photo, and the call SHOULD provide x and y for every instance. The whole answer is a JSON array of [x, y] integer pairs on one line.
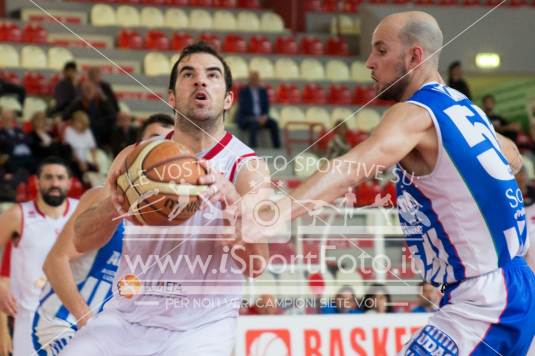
[[57, 267], [399, 132]]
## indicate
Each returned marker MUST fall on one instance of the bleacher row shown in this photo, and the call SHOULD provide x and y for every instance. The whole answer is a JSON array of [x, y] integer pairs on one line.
[[353, 5]]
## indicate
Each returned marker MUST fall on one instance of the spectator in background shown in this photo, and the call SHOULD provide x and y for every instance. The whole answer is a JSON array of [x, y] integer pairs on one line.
[[428, 299], [253, 111], [123, 134], [15, 146], [7, 88], [345, 302], [105, 89], [81, 139], [43, 143], [66, 89], [456, 81], [155, 125], [98, 108], [338, 144], [528, 191], [509, 130], [378, 300]]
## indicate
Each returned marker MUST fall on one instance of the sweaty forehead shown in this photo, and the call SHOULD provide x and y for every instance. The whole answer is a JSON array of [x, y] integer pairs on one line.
[[201, 61]]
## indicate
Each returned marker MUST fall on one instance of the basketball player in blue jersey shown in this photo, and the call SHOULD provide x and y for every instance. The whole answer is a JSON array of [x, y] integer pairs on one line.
[[80, 284], [463, 201]]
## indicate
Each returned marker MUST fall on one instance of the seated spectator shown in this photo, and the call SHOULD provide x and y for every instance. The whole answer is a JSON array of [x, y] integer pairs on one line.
[[43, 143], [377, 300], [338, 144], [345, 302], [66, 89], [528, 191], [7, 88], [456, 80], [104, 88], [98, 108], [15, 146], [501, 125], [81, 139], [123, 133], [153, 125], [428, 299], [253, 111]]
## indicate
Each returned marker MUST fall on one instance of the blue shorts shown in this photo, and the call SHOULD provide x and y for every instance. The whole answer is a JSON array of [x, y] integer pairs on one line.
[[493, 314]]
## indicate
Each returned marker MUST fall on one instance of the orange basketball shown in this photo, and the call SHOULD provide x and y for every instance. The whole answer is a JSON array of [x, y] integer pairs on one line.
[[160, 183]]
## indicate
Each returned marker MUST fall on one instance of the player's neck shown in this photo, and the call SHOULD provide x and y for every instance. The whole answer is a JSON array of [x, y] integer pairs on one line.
[[419, 80], [200, 141], [53, 212]]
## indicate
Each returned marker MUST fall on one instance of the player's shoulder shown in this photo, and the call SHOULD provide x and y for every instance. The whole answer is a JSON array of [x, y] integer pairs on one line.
[[13, 212], [237, 148], [409, 114]]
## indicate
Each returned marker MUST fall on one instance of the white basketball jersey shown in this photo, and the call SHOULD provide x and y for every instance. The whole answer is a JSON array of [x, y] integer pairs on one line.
[[180, 282], [27, 253]]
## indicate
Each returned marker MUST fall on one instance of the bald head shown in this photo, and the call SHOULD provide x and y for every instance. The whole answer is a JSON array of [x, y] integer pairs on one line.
[[417, 28]]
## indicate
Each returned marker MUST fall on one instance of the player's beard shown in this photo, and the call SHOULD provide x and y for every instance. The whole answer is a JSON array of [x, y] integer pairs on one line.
[[54, 200], [394, 90]]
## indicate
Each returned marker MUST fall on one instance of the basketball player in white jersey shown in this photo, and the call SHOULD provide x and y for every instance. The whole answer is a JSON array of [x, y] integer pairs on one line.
[[80, 285], [196, 312], [462, 210], [28, 232]]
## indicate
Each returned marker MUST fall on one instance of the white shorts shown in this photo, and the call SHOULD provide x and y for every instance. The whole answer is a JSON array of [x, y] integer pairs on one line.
[[22, 333], [108, 334], [50, 335]]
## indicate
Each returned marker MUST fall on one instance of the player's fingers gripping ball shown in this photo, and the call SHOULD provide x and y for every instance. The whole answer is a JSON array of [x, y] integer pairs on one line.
[[160, 183]]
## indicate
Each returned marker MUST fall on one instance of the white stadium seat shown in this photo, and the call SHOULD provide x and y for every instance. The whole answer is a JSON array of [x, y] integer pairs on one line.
[[156, 63], [238, 66], [306, 164], [176, 18], [343, 114], [152, 17], [319, 114], [127, 16], [367, 119], [10, 103], [263, 66], [291, 113], [224, 21], [271, 22], [33, 57], [58, 56], [248, 21], [286, 69], [10, 57], [200, 20], [360, 73], [33, 105], [102, 15], [337, 70], [311, 69]]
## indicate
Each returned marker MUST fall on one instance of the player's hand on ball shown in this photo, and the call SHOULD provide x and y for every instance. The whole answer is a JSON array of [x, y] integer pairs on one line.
[[8, 304], [221, 189]]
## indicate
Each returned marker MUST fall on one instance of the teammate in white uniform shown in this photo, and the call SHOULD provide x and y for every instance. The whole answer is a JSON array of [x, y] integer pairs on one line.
[[181, 310], [80, 285], [28, 232], [463, 210]]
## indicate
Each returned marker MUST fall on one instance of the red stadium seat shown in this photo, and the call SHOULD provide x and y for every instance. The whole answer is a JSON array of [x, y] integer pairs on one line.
[[270, 93], [52, 82], [314, 94], [10, 32], [366, 192], [312, 46], [249, 4], [154, 2], [288, 93], [212, 40], [448, 2], [336, 46], [201, 3], [10, 77], [260, 44], [226, 3], [285, 45], [471, 3], [234, 44], [363, 95], [351, 5], [129, 39], [177, 2], [35, 83], [424, 2], [156, 40], [330, 6], [339, 94], [180, 40], [313, 5], [515, 3], [34, 33], [401, 2]]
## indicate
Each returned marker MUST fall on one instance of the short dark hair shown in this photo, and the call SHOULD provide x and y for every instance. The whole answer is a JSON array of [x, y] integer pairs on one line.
[[53, 160], [201, 47], [453, 65], [70, 65], [488, 96], [162, 119]]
